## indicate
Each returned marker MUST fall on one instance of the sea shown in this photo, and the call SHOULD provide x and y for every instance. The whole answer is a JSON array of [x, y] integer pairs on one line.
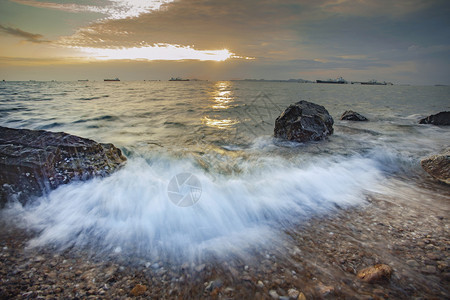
[[204, 174]]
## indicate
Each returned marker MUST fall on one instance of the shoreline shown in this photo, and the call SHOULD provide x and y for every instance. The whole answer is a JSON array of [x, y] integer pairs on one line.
[[322, 259]]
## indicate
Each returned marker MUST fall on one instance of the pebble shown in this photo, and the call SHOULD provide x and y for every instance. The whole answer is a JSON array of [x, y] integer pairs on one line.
[[301, 296], [213, 285], [200, 268], [293, 293], [412, 263], [375, 273], [429, 270], [138, 290], [274, 294]]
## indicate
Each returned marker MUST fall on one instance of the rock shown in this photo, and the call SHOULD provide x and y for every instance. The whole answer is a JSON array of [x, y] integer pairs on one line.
[[350, 115], [304, 121], [212, 285], [375, 273], [442, 118], [293, 293], [33, 162], [325, 290], [429, 270], [412, 263], [138, 290], [200, 268], [438, 166], [273, 294]]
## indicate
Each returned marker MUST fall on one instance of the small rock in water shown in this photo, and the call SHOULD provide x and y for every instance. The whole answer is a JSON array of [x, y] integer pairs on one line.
[[213, 285], [304, 121], [138, 290], [351, 115], [442, 118], [155, 266], [200, 268], [375, 273]]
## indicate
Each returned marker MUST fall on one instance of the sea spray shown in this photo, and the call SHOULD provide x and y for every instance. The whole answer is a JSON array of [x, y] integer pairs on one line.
[[130, 212]]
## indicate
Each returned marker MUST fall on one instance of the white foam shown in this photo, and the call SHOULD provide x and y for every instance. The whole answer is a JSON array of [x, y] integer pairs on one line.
[[131, 211]]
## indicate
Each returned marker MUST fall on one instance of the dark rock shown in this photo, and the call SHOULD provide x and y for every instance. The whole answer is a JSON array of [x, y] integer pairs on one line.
[[438, 166], [351, 115], [442, 118], [33, 162], [304, 121], [377, 273]]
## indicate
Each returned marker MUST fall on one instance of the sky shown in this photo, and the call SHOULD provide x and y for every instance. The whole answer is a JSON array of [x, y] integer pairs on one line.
[[400, 41]]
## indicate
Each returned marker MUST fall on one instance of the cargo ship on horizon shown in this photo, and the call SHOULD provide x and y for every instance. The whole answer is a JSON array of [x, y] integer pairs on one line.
[[339, 80]]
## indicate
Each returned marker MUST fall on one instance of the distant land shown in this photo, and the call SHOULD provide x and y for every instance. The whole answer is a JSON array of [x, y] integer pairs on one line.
[[276, 80]]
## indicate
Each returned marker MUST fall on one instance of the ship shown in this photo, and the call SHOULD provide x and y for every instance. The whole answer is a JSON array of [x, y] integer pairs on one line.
[[178, 79], [115, 79], [372, 82], [340, 80]]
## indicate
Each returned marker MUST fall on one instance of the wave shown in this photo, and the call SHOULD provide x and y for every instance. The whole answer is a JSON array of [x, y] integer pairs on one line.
[[131, 212], [93, 97]]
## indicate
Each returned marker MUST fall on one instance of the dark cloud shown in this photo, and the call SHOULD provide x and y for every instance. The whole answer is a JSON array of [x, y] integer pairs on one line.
[[28, 36]]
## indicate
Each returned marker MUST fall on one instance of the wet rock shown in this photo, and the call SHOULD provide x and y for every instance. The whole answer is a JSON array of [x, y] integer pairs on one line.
[[304, 121], [212, 285], [33, 162], [412, 263], [429, 270], [438, 166], [351, 115], [325, 290], [377, 273], [273, 294], [138, 290], [442, 118], [293, 293]]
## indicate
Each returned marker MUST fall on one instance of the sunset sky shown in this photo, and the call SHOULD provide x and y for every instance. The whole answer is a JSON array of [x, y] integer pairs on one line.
[[387, 40]]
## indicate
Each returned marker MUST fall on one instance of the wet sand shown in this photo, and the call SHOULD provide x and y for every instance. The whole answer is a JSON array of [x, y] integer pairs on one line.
[[319, 259]]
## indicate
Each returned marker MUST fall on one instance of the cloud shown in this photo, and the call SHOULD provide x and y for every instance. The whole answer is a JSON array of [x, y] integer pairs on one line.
[[370, 8], [288, 36], [113, 9], [30, 37]]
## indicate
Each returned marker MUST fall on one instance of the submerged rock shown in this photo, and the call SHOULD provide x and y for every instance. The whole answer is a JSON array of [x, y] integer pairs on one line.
[[438, 166], [33, 162], [304, 121], [377, 273], [351, 115], [442, 118]]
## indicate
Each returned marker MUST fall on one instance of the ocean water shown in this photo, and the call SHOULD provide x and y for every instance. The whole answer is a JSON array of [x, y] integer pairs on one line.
[[247, 189]]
